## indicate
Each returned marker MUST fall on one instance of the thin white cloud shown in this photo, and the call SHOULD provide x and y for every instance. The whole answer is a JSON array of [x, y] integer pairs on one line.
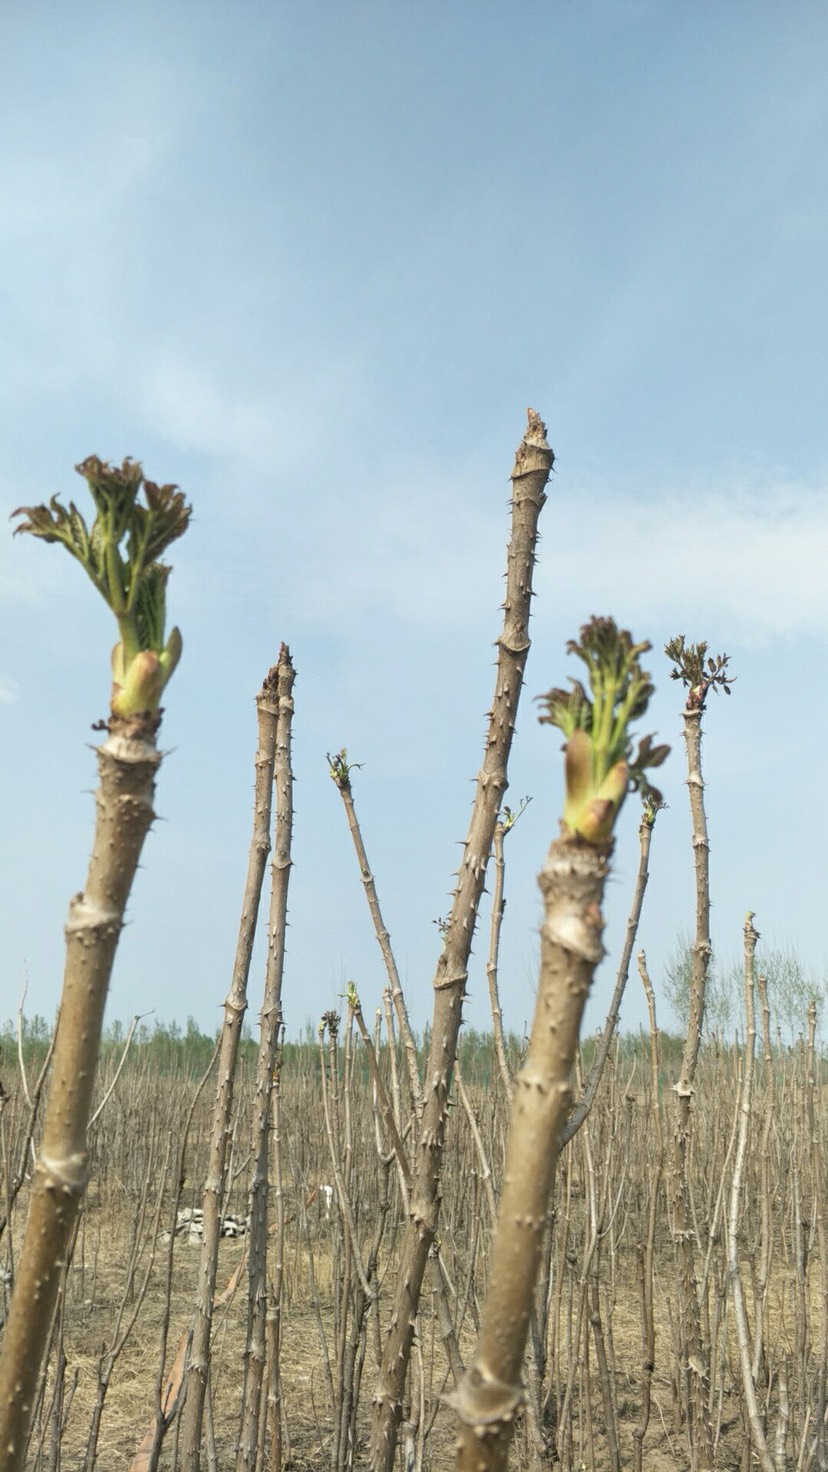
[[751, 560], [747, 564], [8, 692], [280, 425]]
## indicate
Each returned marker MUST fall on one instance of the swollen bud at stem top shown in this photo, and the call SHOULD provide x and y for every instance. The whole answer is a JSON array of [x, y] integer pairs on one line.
[[137, 683], [599, 765]]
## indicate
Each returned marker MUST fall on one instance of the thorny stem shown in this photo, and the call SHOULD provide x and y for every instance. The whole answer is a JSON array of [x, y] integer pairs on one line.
[[489, 1397], [128, 762], [235, 1007], [593, 1079], [270, 1029], [572, 883], [699, 678], [340, 771], [382, 1093], [757, 1430], [504, 825], [647, 1248], [531, 471]]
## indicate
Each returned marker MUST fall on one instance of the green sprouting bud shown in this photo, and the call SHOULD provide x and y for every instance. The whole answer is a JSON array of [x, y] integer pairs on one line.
[[600, 768], [137, 683], [697, 670], [120, 552], [171, 653], [339, 769]]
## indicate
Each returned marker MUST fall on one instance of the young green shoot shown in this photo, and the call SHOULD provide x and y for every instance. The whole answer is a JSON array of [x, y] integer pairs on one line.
[[698, 671], [120, 552], [600, 769]]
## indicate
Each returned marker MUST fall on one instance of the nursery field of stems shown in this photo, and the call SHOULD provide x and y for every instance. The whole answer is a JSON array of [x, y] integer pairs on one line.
[[369, 1251], [612, 1279]]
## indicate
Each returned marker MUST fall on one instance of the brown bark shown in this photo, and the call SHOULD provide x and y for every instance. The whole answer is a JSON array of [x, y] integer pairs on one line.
[[596, 1071], [341, 776], [234, 1009], [489, 1397], [127, 764], [271, 1022], [646, 1248], [695, 1359], [751, 1408], [498, 911], [533, 464]]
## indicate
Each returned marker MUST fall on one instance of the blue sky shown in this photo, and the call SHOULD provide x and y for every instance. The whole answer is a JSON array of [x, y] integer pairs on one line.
[[312, 262]]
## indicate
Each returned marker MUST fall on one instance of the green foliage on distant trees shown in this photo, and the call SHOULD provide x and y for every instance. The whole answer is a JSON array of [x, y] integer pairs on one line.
[[168, 1048], [790, 989], [722, 994]]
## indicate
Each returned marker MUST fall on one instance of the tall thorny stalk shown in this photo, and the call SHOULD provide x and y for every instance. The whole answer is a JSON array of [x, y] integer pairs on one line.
[[235, 1006], [269, 1036], [599, 770], [340, 770], [785, 1373], [504, 825], [699, 673], [753, 1416], [533, 464], [121, 553]]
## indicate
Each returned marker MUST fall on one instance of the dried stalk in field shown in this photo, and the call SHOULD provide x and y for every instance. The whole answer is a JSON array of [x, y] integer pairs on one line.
[[169, 1386], [133, 1295], [596, 1070], [276, 1426], [120, 552], [358, 1282], [646, 1249], [14, 1181], [699, 674], [271, 1023], [340, 770], [436, 1265], [533, 464], [504, 825], [734, 1272], [820, 1240], [234, 1009], [599, 772], [386, 1111]]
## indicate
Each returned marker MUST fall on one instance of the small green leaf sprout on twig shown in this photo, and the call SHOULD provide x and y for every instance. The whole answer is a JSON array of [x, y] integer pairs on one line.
[[600, 768], [340, 769], [120, 552], [698, 671], [509, 816]]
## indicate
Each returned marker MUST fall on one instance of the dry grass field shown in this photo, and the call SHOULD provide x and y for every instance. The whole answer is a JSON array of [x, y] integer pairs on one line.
[[130, 1288]]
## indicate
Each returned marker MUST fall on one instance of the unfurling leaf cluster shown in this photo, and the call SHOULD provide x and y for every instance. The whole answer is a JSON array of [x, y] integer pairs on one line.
[[600, 767], [697, 670], [120, 552], [340, 769]]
